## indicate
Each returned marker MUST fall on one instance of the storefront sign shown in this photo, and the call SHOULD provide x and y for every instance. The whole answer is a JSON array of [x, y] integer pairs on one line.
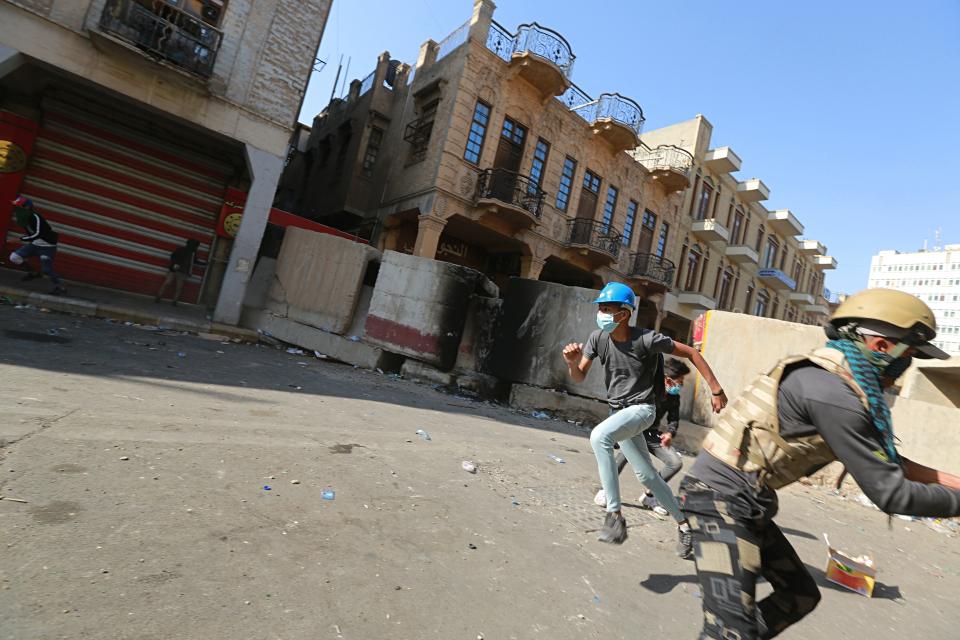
[[12, 157]]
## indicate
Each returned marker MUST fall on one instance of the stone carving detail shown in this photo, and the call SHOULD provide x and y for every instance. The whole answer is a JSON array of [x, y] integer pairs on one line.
[[468, 184]]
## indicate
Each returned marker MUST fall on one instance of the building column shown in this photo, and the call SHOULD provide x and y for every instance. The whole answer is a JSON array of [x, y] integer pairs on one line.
[[429, 229], [265, 169], [658, 301], [531, 267]]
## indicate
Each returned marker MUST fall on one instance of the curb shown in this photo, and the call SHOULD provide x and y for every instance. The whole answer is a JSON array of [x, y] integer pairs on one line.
[[124, 314]]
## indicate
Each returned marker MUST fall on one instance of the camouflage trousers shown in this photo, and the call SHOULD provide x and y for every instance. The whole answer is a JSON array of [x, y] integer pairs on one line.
[[735, 543]]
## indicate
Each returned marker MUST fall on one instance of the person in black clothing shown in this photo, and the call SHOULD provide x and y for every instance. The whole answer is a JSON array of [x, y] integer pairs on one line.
[[808, 411], [41, 241], [659, 443], [182, 261]]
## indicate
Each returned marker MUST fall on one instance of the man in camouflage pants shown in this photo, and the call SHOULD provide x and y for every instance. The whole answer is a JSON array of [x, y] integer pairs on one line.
[[808, 411]]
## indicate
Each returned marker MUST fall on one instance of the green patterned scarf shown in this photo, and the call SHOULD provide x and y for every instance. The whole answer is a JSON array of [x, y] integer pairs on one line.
[[868, 378]]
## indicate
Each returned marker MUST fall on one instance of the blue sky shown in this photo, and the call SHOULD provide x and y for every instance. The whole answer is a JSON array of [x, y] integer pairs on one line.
[[848, 111]]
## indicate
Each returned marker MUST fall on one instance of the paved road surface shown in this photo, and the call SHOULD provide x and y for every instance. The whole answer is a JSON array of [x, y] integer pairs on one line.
[[148, 516]]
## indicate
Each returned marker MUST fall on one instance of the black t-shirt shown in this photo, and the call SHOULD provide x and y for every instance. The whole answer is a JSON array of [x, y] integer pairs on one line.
[[181, 259], [631, 367], [813, 400]]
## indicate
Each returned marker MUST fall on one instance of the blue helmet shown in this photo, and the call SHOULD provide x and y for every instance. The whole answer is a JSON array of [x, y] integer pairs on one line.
[[617, 293]]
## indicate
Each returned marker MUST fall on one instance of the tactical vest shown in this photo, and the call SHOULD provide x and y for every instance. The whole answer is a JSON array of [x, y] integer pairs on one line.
[[747, 435]]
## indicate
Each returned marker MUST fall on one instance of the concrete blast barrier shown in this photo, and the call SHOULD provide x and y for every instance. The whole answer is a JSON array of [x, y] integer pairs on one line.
[[738, 348], [419, 307], [318, 279], [537, 320], [479, 334]]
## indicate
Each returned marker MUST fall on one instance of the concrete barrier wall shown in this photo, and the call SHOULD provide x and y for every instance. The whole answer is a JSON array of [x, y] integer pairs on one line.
[[537, 320], [259, 286], [738, 348], [933, 381], [318, 279], [419, 307], [479, 334], [928, 433]]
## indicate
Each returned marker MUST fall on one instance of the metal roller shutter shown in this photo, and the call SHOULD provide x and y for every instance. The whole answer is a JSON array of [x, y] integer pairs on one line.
[[121, 198]]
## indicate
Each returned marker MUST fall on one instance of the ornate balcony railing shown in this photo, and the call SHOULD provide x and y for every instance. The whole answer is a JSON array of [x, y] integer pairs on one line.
[[172, 34], [574, 97], [596, 235], [512, 188], [652, 267], [533, 39], [664, 157], [613, 106]]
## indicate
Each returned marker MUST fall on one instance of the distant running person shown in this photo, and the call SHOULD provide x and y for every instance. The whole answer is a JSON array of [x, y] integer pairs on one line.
[[40, 241]]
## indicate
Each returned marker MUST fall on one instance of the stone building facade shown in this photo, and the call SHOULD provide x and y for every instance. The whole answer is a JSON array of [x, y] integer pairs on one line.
[[144, 118], [485, 153], [733, 254]]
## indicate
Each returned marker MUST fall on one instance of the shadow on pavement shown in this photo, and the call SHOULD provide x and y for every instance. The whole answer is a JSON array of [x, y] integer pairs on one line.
[[164, 359]]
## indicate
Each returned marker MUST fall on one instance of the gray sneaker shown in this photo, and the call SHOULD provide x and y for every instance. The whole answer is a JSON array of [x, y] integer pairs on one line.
[[614, 529], [685, 543]]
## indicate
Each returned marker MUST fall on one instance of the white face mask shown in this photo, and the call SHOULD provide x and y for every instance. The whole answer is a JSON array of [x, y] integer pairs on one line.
[[606, 321]]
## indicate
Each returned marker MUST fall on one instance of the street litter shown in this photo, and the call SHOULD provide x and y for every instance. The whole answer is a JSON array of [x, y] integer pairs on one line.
[[471, 546], [855, 573], [468, 466], [9, 499], [354, 338], [556, 459], [181, 354], [865, 501], [328, 494], [514, 501], [423, 434], [267, 487], [296, 352], [541, 415], [322, 356]]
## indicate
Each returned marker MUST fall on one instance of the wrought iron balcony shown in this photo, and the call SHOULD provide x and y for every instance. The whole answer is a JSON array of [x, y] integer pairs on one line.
[[168, 33], [513, 196], [595, 239], [614, 118], [670, 165], [543, 56], [656, 269]]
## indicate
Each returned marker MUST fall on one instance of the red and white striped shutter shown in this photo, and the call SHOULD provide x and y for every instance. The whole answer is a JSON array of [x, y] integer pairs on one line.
[[121, 199]]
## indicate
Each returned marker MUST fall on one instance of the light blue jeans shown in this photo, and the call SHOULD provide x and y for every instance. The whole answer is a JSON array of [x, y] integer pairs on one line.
[[626, 426]]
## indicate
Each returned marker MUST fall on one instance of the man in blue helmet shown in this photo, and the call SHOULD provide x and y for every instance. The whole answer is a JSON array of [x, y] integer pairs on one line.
[[630, 356]]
